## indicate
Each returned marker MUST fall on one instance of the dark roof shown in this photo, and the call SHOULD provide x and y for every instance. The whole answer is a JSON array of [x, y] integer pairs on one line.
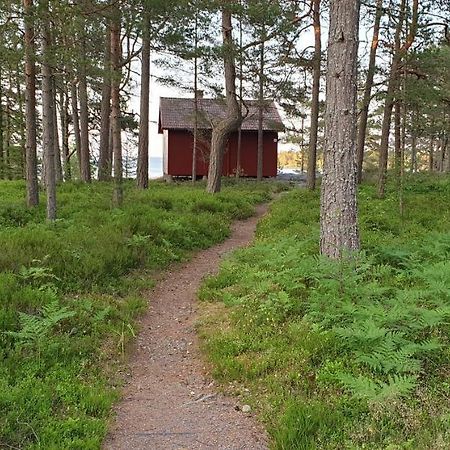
[[178, 114]]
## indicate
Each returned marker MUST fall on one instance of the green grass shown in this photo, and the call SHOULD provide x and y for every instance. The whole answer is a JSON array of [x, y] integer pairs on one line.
[[334, 355], [70, 293]]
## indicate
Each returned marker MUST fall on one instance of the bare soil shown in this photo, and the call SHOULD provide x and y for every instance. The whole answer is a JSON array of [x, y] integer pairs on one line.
[[170, 401]]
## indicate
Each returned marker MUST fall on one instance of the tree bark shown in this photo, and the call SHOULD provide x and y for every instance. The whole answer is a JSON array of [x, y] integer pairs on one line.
[[104, 161], [312, 153], [142, 161], [233, 117], [115, 107], [47, 115], [338, 221], [30, 107], [368, 89]]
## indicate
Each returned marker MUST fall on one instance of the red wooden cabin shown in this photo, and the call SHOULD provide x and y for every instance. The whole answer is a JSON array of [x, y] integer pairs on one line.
[[176, 123]]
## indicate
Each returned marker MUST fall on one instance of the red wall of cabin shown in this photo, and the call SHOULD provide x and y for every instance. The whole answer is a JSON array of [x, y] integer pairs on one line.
[[180, 145]]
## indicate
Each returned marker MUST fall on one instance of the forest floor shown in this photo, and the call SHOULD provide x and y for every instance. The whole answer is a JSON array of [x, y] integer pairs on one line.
[[170, 401]]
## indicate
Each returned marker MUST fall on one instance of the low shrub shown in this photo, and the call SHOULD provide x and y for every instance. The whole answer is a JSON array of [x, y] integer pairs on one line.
[[350, 354], [70, 292]]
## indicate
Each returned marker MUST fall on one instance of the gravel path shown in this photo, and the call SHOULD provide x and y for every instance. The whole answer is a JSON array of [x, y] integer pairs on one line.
[[170, 402]]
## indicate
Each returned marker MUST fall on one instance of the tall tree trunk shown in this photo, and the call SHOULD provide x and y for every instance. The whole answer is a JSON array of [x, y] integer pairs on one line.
[[402, 154], [339, 212], [431, 155], [64, 119], [7, 137], [85, 165], [111, 153], [241, 95], [447, 169], [397, 137], [443, 147], [233, 117], [115, 107], [23, 155], [142, 161], [47, 114], [414, 142], [312, 154], [393, 84], [104, 161], [413, 152], [260, 151], [30, 107], [58, 165], [368, 90], [76, 120]]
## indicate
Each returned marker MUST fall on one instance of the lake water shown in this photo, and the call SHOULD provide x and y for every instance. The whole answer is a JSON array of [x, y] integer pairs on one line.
[[156, 167]]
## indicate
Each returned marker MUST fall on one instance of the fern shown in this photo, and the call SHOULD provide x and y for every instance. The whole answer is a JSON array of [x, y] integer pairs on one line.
[[377, 391], [35, 328]]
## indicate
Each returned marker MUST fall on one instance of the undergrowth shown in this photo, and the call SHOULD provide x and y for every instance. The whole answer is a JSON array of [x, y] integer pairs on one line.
[[70, 293], [351, 354]]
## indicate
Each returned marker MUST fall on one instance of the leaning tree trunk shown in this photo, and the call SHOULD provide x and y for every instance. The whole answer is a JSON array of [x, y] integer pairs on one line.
[[47, 115], [30, 107], [142, 161], [104, 160], [115, 108], [368, 90], [233, 117], [312, 154], [393, 85], [339, 215]]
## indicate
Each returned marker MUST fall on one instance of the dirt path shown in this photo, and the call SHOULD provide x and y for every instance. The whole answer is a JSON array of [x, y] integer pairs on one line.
[[170, 402]]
